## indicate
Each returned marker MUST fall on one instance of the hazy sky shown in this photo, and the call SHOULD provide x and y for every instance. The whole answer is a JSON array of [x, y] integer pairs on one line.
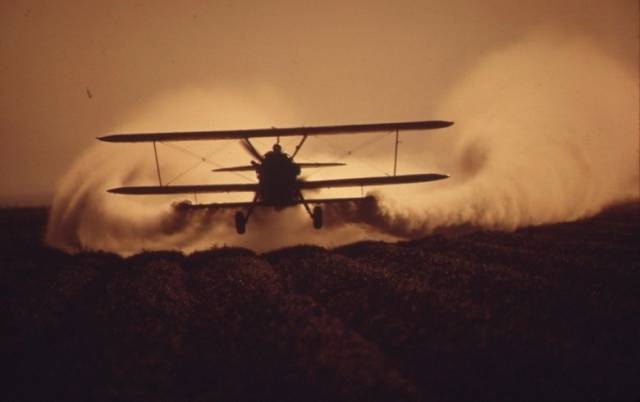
[[73, 70]]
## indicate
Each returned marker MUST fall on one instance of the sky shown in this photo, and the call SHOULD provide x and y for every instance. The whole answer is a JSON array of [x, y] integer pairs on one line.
[[75, 70], [544, 95]]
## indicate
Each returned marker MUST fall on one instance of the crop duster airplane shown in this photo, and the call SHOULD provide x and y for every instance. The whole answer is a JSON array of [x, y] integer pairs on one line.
[[278, 184]]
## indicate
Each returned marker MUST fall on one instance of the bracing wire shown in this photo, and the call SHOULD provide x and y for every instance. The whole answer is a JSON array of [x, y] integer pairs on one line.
[[357, 148], [195, 165], [342, 155], [202, 159]]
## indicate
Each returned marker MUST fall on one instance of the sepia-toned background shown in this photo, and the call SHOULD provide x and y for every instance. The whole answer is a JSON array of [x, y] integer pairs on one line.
[[544, 95]]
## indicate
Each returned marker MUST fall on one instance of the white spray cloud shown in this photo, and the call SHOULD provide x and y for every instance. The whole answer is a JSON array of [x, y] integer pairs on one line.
[[84, 216], [546, 131]]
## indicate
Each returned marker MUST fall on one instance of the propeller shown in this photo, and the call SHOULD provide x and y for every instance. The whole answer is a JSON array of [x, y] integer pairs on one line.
[[248, 146]]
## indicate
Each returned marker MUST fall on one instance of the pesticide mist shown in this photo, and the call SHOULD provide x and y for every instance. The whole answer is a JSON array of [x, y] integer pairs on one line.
[[545, 132]]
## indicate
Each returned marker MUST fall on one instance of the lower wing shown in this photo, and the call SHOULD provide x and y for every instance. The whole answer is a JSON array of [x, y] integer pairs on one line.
[[186, 205], [303, 185], [189, 189], [373, 181]]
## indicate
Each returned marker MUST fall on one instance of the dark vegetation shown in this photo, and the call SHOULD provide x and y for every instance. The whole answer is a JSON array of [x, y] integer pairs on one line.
[[543, 313]]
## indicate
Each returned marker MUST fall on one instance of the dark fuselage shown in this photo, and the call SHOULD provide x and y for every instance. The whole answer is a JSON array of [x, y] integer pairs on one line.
[[278, 180]]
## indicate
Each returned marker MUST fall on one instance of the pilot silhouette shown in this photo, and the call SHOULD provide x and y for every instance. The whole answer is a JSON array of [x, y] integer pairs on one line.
[[279, 163], [275, 154]]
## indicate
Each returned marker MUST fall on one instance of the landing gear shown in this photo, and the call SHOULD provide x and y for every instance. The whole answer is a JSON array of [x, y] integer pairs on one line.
[[316, 214], [242, 219], [241, 222], [317, 217]]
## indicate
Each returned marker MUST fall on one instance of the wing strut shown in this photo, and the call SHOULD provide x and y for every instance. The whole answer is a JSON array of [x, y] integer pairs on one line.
[[304, 138], [155, 152], [395, 157]]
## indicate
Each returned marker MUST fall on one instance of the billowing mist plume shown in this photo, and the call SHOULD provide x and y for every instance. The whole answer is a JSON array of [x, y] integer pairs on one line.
[[84, 216], [546, 131]]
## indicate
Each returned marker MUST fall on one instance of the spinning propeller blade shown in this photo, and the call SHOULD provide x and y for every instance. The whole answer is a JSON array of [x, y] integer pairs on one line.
[[248, 146]]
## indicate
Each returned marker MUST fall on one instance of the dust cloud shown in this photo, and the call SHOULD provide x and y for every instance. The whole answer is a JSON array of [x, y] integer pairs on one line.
[[84, 216], [546, 131]]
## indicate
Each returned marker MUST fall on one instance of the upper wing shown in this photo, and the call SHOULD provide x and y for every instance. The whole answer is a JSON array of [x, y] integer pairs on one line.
[[189, 189], [274, 132], [373, 181]]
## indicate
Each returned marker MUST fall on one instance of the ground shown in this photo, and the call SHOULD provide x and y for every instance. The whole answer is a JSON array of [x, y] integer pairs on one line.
[[544, 313]]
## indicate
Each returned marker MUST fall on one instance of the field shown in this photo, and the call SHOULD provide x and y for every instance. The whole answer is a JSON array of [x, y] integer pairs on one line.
[[544, 313]]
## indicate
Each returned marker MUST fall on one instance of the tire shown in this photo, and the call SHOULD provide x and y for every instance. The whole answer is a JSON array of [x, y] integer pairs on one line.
[[317, 217], [240, 222]]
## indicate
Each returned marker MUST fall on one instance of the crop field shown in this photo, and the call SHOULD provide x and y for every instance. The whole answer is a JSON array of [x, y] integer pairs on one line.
[[543, 313]]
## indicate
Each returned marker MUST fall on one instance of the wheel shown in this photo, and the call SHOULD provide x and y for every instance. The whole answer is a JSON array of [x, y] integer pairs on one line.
[[240, 222], [317, 217]]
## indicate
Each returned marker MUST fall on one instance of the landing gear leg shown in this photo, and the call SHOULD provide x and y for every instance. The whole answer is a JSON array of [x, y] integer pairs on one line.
[[242, 219], [316, 215], [241, 222]]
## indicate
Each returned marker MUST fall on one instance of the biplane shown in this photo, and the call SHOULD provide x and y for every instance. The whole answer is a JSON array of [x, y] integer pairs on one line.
[[278, 183]]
